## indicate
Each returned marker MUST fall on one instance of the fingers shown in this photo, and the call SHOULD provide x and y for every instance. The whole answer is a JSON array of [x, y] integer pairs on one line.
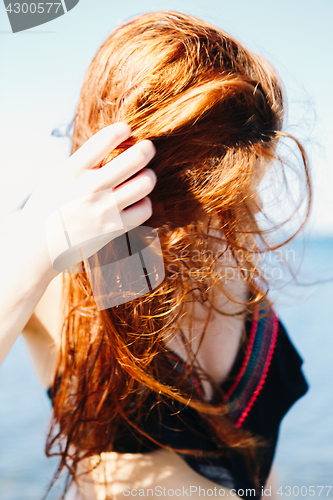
[[125, 165], [99, 145], [135, 189], [138, 214]]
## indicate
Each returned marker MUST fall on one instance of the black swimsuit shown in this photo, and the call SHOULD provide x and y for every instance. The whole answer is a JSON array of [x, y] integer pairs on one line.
[[265, 381]]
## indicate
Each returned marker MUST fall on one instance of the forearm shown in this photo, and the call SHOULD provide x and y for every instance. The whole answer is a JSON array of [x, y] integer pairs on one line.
[[26, 273], [95, 218]]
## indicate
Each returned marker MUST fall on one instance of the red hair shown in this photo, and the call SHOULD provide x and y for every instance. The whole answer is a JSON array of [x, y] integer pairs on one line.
[[214, 111]]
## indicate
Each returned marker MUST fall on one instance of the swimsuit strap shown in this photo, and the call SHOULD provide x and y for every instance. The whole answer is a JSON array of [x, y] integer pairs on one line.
[[250, 379]]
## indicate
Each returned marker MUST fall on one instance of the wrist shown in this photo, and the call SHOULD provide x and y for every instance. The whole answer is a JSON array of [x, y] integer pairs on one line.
[[32, 249]]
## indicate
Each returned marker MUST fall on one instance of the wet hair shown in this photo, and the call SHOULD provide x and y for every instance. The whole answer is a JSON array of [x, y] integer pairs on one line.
[[214, 110]]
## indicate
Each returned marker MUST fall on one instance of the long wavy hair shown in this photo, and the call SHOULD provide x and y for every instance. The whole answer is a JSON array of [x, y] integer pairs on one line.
[[214, 111]]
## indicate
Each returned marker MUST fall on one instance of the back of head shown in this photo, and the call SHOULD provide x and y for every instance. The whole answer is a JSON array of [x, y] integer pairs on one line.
[[211, 107]]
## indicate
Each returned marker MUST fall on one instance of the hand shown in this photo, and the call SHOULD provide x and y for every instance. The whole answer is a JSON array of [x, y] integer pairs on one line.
[[82, 208]]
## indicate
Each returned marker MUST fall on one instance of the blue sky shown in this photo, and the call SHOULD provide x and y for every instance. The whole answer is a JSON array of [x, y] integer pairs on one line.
[[42, 71]]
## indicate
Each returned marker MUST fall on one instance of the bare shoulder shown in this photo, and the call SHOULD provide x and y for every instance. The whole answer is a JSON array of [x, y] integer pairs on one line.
[[42, 332], [119, 475], [48, 309]]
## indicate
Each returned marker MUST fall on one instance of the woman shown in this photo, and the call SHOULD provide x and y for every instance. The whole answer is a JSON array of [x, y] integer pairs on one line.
[[185, 385]]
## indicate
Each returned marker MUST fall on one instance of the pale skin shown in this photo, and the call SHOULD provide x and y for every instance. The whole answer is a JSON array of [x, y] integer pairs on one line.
[[30, 302], [28, 269]]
